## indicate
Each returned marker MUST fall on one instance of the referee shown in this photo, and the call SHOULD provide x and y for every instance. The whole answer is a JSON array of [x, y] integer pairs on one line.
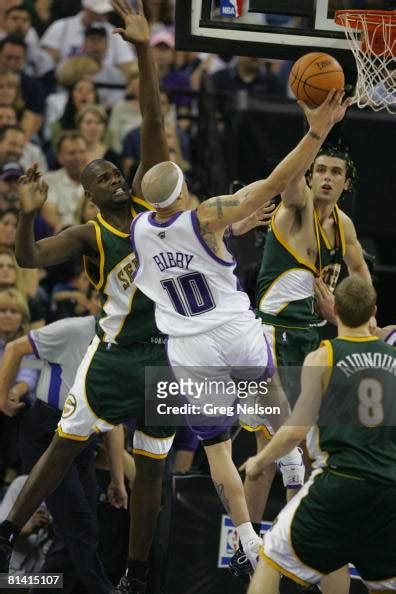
[[61, 346]]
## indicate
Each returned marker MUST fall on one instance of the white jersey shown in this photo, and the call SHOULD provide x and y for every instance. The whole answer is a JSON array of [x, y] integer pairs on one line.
[[193, 289], [61, 346], [391, 338]]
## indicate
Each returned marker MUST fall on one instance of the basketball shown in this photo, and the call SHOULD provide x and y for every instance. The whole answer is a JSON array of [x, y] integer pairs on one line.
[[314, 75]]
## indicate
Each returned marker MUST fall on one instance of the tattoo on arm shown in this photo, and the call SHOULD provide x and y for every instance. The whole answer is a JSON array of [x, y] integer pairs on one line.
[[222, 496], [219, 204], [210, 238], [219, 208]]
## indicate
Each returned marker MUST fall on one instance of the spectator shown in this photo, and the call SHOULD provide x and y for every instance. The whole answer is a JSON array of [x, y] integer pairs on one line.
[[4, 6], [8, 269], [248, 74], [89, 210], [14, 322], [131, 144], [13, 52], [35, 537], [10, 90], [81, 93], [40, 13], [65, 192], [12, 143], [110, 80], [125, 115], [38, 62], [69, 74], [69, 299], [171, 79], [65, 37], [8, 225], [159, 13], [14, 277], [10, 172], [32, 153], [91, 121]]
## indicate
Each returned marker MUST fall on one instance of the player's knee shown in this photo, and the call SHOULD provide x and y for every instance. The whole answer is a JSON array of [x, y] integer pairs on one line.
[[65, 450], [255, 587]]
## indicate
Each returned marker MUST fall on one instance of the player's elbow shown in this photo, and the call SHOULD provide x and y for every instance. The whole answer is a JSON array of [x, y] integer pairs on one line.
[[276, 184], [18, 348], [24, 260]]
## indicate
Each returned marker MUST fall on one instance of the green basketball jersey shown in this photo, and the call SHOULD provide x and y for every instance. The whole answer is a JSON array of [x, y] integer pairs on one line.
[[356, 429], [126, 316], [284, 294]]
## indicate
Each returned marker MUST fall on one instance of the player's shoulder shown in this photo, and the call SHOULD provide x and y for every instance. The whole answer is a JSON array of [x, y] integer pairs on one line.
[[140, 205], [322, 356], [345, 219], [300, 214], [67, 327]]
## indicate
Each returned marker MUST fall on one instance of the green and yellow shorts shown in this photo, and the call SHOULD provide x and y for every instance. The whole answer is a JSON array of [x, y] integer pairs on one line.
[[335, 520], [110, 389]]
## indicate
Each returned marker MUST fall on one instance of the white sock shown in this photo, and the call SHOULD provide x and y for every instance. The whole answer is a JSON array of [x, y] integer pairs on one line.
[[246, 533], [294, 457]]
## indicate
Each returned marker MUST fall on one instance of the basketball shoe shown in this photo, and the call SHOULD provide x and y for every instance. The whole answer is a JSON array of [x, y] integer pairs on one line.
[[292, 469], [243, 564]]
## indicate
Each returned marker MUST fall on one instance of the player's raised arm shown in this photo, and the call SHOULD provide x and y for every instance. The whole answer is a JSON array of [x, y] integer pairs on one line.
[[154, 147], [217, 213], [53, 250]]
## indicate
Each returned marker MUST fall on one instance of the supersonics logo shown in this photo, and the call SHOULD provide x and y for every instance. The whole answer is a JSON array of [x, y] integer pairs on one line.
[[231, 8], [69, 407]]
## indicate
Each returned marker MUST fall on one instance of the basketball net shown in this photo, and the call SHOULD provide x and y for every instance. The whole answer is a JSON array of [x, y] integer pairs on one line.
[[371, 36]]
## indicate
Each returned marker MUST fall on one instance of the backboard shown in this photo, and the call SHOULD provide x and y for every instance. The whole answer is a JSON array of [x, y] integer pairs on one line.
[[274, 29]]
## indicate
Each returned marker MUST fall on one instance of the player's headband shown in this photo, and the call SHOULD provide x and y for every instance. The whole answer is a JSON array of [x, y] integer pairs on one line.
[[176, 192]]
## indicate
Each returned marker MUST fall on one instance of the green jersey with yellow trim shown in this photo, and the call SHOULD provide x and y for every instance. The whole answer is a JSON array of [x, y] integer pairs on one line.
[[285, 295], [355, 434], [126, 316]]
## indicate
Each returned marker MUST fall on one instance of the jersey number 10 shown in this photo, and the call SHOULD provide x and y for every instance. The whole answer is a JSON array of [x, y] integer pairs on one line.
[[190, 294]]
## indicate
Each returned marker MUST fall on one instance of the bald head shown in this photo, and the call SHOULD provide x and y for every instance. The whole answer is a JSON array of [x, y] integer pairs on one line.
[[161, 182], [90, 172]]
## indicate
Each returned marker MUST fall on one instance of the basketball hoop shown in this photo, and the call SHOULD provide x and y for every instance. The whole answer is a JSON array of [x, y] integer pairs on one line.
[[371, 35]]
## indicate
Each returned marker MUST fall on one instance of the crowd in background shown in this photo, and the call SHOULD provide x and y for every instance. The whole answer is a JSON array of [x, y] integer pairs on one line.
[[69, 93]]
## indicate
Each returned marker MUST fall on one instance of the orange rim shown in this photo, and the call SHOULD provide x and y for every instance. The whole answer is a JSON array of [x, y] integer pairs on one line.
[[378, 26], [373, 18]]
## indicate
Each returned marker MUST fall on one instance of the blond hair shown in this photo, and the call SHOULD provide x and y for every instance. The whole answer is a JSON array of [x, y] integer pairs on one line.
[[19, 285], [14, 298], [97, 110], [9, 75], [76, 68]]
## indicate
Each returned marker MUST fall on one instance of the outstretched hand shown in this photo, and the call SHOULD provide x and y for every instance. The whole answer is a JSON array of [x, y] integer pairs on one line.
[[136, 28], [263, 215], [33, 190], [331, 111], [260, 218]]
